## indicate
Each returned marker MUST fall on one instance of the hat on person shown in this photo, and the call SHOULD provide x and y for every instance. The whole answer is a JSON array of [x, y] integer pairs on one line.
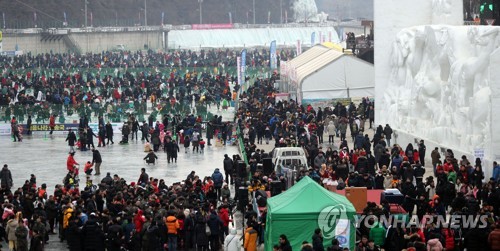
[[132, 184]]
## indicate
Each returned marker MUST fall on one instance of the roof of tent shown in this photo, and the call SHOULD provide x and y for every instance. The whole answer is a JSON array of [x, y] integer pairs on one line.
[[306, 198], [306, 56], [317, 63]]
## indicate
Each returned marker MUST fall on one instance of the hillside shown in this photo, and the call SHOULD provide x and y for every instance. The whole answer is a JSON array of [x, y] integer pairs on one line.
[[19, 13]]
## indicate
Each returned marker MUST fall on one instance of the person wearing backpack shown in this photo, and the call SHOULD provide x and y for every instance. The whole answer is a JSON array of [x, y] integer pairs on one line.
[[218, 181]]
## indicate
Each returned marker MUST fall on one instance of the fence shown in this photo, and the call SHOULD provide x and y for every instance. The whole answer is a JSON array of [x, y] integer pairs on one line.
[[119, 72]]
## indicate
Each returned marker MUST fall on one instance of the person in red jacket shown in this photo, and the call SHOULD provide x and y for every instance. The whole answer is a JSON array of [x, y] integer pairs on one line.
[[88, 168], [224, 216], [449, 237], [71, 162], [138, 221], [52, 123]]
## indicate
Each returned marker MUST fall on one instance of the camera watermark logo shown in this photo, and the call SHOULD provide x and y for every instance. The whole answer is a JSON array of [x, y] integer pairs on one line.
[[329, 218]]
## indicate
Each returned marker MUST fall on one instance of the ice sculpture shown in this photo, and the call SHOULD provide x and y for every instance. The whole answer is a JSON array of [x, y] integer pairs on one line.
[[440, 86], [305, 10]]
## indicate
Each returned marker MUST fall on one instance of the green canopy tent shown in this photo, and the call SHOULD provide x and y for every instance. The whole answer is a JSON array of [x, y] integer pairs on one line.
[[304, 207]]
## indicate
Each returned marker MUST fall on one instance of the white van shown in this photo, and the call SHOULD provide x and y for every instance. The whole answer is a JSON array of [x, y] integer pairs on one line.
[[289, 157]]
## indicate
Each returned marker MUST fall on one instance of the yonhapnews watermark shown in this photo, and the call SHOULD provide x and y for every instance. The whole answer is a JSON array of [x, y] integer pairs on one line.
[[330, 217]]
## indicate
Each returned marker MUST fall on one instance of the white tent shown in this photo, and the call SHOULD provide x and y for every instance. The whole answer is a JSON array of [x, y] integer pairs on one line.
[[325, 74]]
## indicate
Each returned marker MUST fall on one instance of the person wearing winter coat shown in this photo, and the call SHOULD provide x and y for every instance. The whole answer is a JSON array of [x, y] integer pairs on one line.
[[21, 236], [200, 232], [434, 244], [172, 229], [151, 157], [93, 237], [331, 132], [359, 141], [228, 169], [151, 237], [231, 243], [171, 147], [6, 177], [494, 238], [319, 160], [388, 134], [251, 237], [71, 139], [109, 133], [224, 216], [10, 230], [215, 224], [218, 181], [377, 234], [145, 131], [317, 240], [187, 142], [37, 241], [73, 235]]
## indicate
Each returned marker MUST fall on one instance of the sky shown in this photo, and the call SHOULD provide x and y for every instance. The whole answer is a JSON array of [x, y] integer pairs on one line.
[[358, 8]]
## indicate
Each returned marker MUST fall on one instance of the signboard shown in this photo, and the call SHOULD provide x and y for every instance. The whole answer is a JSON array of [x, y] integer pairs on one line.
[[342, 230], [343, 101], [281, 97], [272, 55], [479, 153], [238, 66], [5, 129]]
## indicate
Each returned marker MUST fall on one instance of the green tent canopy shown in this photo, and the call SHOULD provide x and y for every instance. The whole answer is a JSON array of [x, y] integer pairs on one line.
[[304, 207]]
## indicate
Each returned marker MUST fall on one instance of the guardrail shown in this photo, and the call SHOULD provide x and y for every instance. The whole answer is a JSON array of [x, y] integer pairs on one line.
[[120, 72], [168, 27]]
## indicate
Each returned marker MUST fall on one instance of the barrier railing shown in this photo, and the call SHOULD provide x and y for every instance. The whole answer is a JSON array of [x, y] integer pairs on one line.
[[119, 72]]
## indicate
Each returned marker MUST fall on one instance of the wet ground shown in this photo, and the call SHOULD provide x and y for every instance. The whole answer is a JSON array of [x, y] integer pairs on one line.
[[45, 156]]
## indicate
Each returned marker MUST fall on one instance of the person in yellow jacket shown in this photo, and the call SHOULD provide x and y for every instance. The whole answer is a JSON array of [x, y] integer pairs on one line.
[[172, 227], [256, 185], [251, 236], [67, 214]]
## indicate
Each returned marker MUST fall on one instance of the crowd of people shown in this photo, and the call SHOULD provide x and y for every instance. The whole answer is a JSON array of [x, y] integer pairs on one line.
[[196, 213], [456, 186], [177, 82]]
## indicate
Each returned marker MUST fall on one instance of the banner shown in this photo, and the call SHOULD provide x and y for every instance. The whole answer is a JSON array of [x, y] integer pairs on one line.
[[5, 129], [272, 55], [211, 26], [299, 47], [286, 17], [162, 18], [238, 66], [91, 19], [34, 18], [268, 17], [313, 36], [243, 64], [3, 17], [1, 39], [230, 18]]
